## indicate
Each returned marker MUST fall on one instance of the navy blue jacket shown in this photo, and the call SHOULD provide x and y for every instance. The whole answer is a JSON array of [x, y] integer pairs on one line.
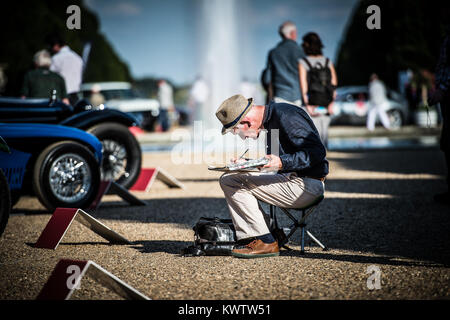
[[300, 148], [282, 70]]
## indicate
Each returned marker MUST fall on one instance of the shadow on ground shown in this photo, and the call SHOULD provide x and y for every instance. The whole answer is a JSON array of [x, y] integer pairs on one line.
[[392, 218], [168, 246], [406, 161]]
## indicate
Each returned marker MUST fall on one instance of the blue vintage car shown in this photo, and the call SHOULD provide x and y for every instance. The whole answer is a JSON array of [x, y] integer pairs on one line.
[[58, 164], [5, 195], [121, 151]]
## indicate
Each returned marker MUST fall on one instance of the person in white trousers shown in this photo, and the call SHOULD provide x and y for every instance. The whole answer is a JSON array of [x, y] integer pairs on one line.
[[377, 103]]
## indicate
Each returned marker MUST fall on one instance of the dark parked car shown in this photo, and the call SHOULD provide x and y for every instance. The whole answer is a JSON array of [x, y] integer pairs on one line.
[[121, 151], [60, 165]]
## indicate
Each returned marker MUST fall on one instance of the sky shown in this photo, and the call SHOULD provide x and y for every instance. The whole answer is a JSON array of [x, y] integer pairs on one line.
[[166, 38]]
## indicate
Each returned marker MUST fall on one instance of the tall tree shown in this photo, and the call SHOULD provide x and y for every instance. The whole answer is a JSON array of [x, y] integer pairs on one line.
[[410, 36], [24, 26]]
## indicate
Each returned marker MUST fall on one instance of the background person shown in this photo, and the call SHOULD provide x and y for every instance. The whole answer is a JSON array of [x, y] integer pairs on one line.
[[165, 98], [250, 89], [377, 103], [40, 82], [198, 95], [318, 82], [281, 72], [96, 97], [68, 65]]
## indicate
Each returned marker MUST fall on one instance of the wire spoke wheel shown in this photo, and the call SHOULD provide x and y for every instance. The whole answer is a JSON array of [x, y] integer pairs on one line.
[[115, 160], [122, 155], [69, 178], [66, 174]]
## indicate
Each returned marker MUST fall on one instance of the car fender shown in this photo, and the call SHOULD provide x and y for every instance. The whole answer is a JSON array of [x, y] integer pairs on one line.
[[14, 164], [33, 138], [89, 118]]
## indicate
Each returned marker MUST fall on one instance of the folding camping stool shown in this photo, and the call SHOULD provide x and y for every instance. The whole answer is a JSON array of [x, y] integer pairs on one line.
[[301, 223]]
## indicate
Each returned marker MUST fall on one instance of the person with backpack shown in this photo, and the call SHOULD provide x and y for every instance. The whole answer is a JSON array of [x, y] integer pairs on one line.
[[318, 82]]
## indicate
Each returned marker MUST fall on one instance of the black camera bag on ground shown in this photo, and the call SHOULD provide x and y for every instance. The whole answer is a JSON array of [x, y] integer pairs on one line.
[[217, 237], [213, 237]]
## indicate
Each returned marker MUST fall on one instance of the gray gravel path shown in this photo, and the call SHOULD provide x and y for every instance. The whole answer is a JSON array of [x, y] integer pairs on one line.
[[378, 210]]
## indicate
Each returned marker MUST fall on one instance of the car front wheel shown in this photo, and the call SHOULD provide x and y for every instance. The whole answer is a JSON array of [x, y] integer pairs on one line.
[[122, 155], [66, 174]]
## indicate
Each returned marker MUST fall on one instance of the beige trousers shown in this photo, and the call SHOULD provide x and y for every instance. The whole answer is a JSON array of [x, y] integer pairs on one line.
[[243, 190]]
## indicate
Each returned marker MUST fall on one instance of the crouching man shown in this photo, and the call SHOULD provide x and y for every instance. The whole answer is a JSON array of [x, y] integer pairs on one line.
[[298, 159]]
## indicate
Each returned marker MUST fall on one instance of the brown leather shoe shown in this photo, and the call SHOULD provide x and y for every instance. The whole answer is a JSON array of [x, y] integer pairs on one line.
[[257, 249]]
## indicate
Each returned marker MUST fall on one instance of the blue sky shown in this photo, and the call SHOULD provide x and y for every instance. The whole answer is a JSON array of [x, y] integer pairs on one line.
[[163, 38]]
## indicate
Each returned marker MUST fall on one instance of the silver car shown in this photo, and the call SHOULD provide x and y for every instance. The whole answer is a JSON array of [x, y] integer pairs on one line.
[[121, 96], [351, 106]]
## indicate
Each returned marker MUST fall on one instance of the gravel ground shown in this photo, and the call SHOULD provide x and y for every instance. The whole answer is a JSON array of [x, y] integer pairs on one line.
[[378, 210]]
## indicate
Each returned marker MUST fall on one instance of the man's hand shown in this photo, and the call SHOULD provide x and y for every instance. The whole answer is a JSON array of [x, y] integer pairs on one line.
[[274, 162], [437, 97], [330, 109], [311, 111], [238, 160]]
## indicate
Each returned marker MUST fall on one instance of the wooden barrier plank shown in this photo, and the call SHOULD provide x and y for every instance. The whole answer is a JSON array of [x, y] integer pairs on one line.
[[61, 221], [56, 228], [148, 176], [67, 275]]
